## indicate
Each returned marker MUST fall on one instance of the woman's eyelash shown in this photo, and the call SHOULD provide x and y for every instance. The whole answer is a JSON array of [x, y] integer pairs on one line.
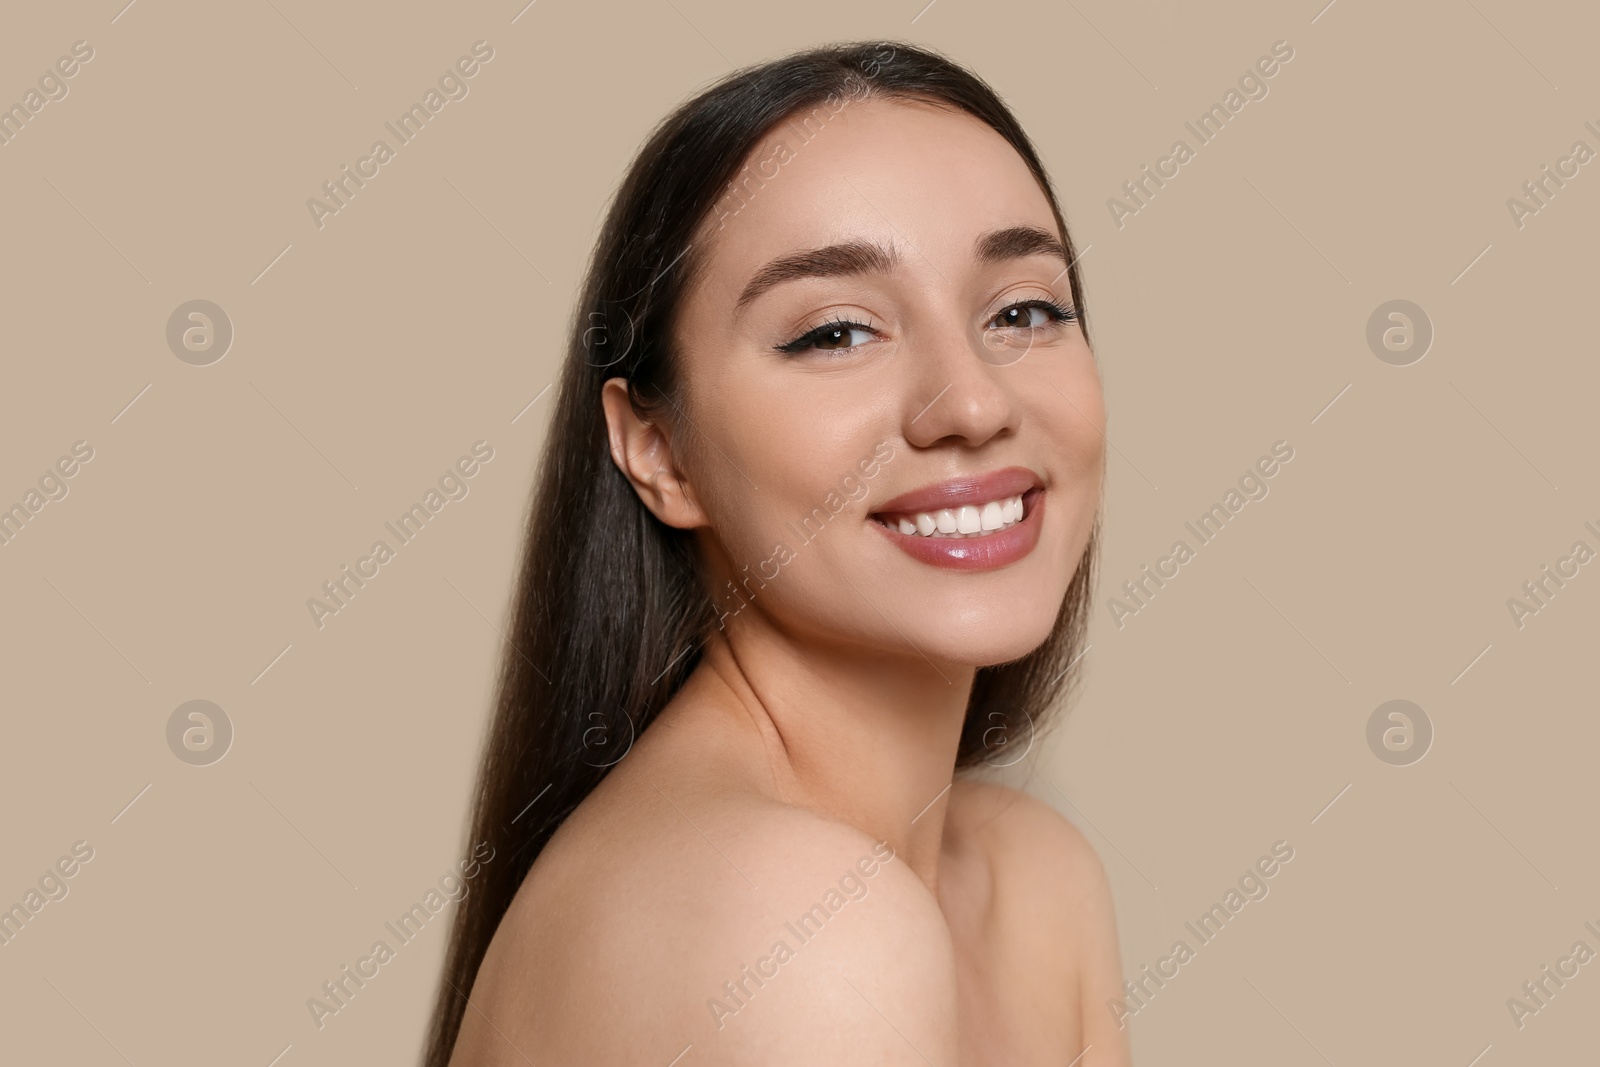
[[1058, 312], [1061, 312], [811, 337]]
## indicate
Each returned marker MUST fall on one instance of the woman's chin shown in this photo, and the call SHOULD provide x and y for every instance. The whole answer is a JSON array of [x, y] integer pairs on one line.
[[977, 645]]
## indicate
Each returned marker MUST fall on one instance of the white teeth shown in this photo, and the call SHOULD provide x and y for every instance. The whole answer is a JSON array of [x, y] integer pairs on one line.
[[971, 520]]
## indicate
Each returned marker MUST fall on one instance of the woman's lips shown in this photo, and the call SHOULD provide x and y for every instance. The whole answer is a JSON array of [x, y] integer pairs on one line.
[[983, 551], [964, 489]]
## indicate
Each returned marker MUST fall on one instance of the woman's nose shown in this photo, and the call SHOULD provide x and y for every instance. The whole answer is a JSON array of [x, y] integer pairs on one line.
[[961, 389]]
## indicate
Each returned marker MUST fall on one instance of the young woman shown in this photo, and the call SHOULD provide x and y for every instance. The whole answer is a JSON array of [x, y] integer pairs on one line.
[[814, 531]]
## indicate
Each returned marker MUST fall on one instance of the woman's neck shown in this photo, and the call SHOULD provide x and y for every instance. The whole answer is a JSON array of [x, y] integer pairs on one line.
[[861, 737]]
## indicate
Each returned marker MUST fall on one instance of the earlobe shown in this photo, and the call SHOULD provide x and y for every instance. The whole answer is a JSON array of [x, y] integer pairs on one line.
[[642, 450]]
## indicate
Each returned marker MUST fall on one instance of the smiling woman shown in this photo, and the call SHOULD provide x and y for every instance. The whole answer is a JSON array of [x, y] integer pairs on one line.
[[905, 289]]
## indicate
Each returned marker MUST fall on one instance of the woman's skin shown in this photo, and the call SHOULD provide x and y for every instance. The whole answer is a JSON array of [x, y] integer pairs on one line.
[[823, 721]]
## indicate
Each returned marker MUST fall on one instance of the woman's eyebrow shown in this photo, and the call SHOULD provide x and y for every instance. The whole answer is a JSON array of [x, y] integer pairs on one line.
[[865, 257], [850, 257], [1018, 242]]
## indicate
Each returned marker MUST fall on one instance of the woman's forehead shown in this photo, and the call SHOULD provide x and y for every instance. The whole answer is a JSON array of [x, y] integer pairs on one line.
[[925, 181]]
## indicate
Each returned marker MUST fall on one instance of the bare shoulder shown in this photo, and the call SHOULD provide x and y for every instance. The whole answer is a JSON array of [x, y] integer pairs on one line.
[[673, 911], [1028, 842], [1048, 896]]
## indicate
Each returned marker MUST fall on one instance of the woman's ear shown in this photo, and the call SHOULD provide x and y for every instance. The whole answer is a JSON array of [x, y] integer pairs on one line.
[[642, 451]]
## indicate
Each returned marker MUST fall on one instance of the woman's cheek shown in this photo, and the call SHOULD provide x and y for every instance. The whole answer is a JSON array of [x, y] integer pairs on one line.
[[1086, 418]]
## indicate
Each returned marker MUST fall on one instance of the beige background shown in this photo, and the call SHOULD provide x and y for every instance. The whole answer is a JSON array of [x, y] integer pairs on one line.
[[370, 354]]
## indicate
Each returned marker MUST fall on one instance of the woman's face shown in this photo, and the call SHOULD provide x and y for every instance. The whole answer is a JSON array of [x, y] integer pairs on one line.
[[809, 446]]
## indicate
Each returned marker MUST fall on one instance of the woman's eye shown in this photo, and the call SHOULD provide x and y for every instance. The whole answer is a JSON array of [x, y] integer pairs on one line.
[[833, 337], [1031, 314]]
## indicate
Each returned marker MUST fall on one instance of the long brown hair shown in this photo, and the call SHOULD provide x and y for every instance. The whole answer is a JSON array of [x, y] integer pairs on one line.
[[610, 611]]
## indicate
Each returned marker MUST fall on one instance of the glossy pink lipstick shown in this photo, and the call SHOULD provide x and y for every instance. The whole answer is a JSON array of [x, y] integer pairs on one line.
[[988, 497]]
